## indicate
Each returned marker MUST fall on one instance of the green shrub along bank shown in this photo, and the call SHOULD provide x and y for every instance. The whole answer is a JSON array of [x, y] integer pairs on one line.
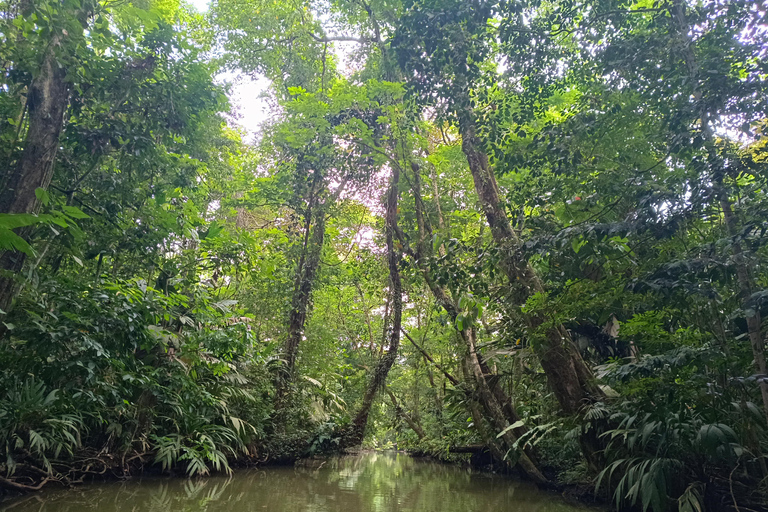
[[109, 375], [115, 377]]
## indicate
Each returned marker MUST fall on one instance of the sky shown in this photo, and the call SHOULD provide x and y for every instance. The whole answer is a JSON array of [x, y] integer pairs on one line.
[[249, 108], [200, 5]]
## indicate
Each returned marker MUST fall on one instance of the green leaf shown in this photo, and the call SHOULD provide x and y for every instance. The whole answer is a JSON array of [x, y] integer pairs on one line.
[[20, 220], [10, 241], [75, 212], [517, 424], [42, 196]]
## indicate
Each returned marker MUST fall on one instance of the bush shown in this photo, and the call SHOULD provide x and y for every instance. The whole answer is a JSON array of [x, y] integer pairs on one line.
[[121, 368], [677, 438]]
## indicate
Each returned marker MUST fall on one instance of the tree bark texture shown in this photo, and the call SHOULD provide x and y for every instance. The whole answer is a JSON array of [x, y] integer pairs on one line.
[[302, 293], [46, 104], [305, 276], [304, 281], [354, 436]]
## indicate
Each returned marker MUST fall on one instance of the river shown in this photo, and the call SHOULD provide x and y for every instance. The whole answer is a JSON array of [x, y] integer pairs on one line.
[[369, 482]]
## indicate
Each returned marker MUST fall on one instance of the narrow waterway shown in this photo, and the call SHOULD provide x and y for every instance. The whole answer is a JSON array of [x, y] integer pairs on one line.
[[370, 482]]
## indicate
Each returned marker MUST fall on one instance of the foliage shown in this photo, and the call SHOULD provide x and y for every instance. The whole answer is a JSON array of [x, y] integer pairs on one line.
[[188, 299], [121, 366], [666, 450]]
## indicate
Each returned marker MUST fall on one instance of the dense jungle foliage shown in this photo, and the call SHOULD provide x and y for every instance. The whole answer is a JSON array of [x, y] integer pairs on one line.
[[536, 229]]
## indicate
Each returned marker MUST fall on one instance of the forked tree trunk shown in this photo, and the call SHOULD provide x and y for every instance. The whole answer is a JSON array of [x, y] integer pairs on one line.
[[46, 103]]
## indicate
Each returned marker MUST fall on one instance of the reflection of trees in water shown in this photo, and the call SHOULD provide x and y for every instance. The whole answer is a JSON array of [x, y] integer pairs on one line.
[[141, 495], [363, 483]]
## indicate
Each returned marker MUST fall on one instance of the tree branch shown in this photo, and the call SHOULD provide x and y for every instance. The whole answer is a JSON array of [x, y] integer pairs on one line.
[[330, 39], [450, 377]]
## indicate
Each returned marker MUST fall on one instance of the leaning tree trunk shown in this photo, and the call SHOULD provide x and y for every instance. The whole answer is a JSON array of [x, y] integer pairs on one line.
[[567, 373], [489, 439], [495, 413], [355, 434], [46, 103], [499, 409], [400, 413]]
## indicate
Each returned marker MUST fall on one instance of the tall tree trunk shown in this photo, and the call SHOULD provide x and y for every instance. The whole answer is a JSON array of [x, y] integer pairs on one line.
[[46, 103], [741, 257], [302, 292], [354, 436], [567, 374], [424, 250], [305, 276], [306, 272], [441, 225]]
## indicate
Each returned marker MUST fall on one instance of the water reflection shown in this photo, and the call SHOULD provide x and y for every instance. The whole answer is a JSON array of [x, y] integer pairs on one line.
[[371, 482]]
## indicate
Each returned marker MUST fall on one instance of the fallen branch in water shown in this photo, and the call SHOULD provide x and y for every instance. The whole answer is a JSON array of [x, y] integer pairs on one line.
[[16, 486]]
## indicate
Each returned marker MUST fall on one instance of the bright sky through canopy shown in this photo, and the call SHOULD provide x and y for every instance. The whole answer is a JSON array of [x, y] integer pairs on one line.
[[248, 107]]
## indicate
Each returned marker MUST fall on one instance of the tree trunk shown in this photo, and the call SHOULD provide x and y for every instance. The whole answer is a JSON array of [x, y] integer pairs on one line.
[[495, 412], [741, 258], [407, 417], [302, 292], [493, 444], [567, 374], [355, 434], [746, 288], [499, 410], [304, 282], [46, 103]]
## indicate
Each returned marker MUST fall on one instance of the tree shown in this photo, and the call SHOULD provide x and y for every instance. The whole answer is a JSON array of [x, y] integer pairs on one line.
[[452, 69], [58, 35]]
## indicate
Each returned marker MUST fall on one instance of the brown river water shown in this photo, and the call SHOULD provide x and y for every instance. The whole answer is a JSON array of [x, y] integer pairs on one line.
[[369, 482]]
